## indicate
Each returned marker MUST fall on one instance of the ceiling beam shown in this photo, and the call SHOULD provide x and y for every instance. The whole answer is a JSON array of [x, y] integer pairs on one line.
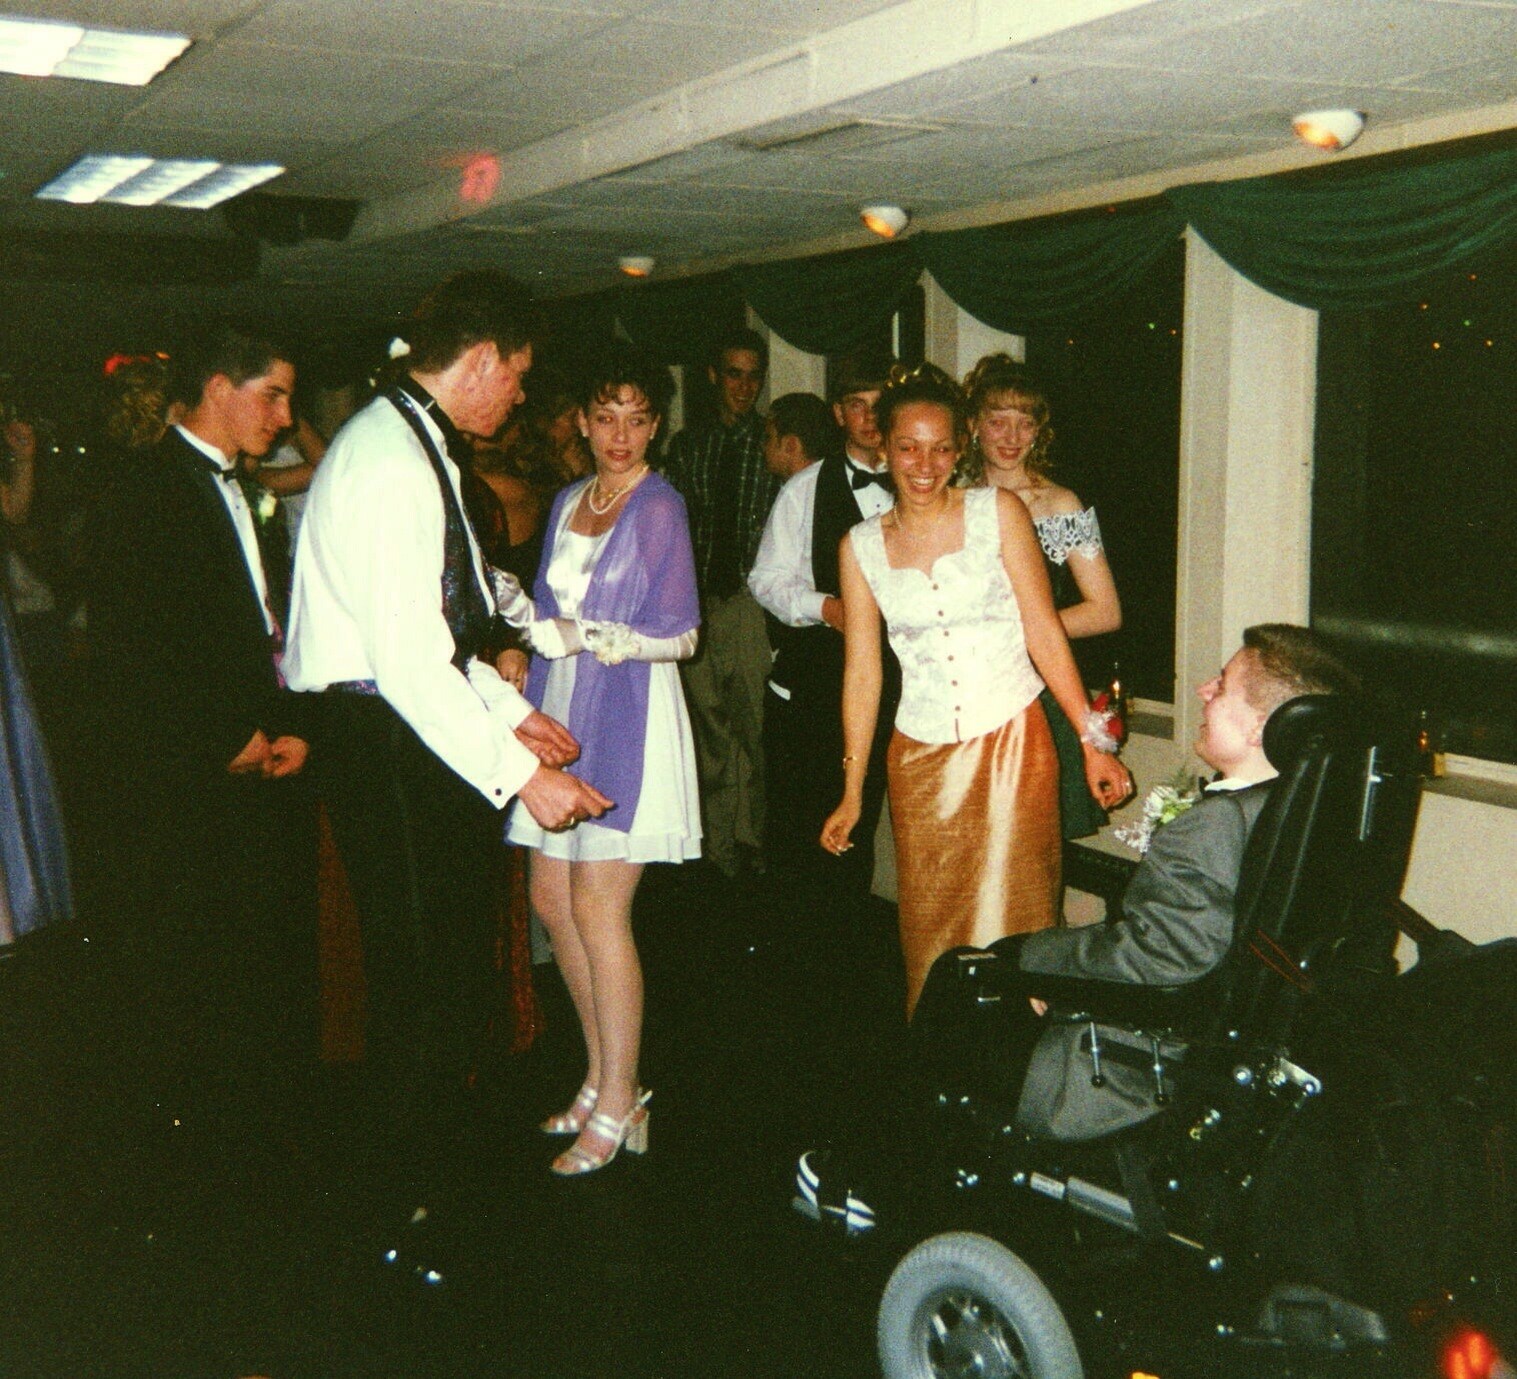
[[906, 41]]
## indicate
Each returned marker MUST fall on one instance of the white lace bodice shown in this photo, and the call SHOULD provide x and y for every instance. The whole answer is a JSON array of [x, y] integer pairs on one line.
[[1067, 532], [957, 631]]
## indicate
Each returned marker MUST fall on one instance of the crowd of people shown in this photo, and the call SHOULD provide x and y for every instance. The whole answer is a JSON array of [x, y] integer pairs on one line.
[[491, 608]]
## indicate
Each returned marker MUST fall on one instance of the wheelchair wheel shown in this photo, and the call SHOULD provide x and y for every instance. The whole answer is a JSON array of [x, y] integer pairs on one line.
[[962, 1305]]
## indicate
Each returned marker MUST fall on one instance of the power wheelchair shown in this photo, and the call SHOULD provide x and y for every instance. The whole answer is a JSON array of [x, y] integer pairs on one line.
[[1320, 1186]]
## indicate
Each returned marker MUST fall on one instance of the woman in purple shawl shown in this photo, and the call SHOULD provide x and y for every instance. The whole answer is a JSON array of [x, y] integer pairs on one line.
[[615, 609]]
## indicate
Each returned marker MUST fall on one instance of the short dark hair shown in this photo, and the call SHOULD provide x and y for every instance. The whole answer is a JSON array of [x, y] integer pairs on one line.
[[1289, 660], [806, 417], [925, 383], [234, 349], [624, 366], [863, 371], [740, 338], [470, 308]]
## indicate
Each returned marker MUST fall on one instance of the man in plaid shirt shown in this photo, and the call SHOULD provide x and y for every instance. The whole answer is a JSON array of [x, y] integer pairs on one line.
[[728, 490]]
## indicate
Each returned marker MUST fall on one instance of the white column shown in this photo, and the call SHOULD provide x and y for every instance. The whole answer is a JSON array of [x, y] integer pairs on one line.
[[1248, 395], [956, 341]]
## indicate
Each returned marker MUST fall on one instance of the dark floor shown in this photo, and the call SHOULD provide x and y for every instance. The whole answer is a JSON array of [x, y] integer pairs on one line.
[[689, 1262]]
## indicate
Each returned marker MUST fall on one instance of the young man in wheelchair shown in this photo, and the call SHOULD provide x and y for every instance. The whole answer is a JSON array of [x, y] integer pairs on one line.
[[1176, 926]]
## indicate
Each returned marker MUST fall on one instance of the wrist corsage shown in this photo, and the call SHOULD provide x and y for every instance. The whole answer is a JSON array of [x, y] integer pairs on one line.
[[1164, 804], [1098, 732], [610, 643]]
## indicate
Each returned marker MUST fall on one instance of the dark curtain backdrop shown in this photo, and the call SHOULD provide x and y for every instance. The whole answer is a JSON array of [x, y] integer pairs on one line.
[[1055, 271]]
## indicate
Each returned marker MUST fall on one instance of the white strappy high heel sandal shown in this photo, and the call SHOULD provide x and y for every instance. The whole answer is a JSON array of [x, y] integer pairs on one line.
[[572, 1121], [631, 1131]]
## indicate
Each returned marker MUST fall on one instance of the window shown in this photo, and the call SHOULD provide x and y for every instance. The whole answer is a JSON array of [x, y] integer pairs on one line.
[[1114, 390], [1414, 505]]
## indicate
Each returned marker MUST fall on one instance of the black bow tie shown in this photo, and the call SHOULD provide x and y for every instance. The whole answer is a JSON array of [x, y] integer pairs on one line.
[[227, 475], [859, 477]]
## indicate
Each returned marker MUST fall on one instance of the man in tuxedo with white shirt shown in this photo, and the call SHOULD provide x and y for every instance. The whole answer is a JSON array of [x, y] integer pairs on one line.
[[421, 744], [208, 833], [795, 578]]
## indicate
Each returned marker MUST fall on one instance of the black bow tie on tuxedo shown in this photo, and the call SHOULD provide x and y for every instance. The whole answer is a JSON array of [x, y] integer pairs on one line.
[[859, 477], [227, 475]]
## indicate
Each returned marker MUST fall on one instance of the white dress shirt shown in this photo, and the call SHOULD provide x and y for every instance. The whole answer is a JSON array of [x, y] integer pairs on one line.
[[781, 578], [367, 602], [242, 519]]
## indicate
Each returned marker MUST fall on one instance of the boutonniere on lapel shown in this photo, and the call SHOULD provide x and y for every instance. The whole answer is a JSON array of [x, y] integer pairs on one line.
[[263, 502], [1164, 804]]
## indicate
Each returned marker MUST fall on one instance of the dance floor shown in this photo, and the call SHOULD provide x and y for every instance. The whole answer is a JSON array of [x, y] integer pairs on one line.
[[687, 1263]]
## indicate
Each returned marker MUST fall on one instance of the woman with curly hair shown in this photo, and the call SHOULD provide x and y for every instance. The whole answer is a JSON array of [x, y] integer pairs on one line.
[[615, 609], [1010, 439], [958, 576]]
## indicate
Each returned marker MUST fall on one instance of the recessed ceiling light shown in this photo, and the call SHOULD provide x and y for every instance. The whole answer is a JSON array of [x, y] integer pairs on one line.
[[46, 48], [194, 184], [886, 221], [1328, 129], [635, 265]]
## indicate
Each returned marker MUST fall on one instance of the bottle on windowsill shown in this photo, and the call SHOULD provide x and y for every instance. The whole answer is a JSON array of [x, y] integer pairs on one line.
[[1430, 746]]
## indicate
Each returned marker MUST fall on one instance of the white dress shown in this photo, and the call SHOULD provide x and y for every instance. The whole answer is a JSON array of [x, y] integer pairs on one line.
[[666, 827]]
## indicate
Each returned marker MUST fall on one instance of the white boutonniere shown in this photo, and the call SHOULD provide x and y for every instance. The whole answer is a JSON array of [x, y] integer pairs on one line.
[[266, 506], [1163, 804]]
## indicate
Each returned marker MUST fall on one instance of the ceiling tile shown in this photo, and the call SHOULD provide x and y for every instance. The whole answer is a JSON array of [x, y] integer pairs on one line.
[[466, 31]]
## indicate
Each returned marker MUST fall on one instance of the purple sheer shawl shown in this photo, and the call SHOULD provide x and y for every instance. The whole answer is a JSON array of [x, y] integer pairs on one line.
[[645, 577]]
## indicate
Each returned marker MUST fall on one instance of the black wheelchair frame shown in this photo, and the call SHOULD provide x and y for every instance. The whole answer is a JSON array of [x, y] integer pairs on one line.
[[1191, 1241]]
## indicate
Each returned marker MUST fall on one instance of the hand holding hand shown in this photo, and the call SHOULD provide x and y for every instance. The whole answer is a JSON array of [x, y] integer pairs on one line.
[[252, 759], [558, 800], [548, 740], [287, 755], [555, 638], [1109, 781], [839, 826]]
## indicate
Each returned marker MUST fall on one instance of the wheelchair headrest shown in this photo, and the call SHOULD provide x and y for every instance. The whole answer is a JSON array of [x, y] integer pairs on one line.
[[1298, 721]]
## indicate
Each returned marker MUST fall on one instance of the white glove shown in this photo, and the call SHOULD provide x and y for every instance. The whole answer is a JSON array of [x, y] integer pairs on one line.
[[611, 643], [511, 600], [555, 638]]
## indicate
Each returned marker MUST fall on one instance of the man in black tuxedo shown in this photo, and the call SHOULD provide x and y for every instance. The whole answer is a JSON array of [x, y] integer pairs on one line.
[[209, 838], [795, 578]]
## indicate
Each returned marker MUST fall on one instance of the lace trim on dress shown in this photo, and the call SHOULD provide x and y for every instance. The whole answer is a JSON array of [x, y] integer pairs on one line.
[[1067, 532]]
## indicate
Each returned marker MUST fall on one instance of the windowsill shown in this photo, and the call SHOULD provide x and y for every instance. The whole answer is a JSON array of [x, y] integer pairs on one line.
[[1151, 718], [1471, 778]]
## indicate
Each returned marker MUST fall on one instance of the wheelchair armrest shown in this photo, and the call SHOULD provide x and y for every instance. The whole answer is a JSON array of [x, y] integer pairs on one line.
[[1118, 1003]]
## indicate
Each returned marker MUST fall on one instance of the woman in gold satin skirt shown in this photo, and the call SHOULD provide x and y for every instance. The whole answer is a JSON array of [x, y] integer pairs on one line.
[[980, 825], [957, 575]]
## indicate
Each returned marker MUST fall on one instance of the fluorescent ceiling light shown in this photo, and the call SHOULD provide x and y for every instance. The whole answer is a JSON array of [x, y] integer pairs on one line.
[[195, 184], [44, 48]]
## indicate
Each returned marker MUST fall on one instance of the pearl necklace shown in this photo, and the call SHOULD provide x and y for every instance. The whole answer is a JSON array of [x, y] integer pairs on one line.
[[616, 495]]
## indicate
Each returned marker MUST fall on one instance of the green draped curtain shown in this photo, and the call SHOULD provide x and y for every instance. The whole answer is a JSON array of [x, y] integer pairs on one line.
[[831, 304], [1363, 237], [1033, 274], [675, 321]]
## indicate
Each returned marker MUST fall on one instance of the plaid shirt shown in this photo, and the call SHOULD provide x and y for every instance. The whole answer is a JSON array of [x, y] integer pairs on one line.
[[695, 460]]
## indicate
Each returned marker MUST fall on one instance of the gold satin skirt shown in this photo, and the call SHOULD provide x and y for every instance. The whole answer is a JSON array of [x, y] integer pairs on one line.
[[977, 845]]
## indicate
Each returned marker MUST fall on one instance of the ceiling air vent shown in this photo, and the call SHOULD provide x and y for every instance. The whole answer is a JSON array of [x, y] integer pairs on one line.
[[838, 136]]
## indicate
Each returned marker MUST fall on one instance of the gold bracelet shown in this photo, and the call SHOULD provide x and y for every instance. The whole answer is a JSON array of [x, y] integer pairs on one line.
[[849, 760]]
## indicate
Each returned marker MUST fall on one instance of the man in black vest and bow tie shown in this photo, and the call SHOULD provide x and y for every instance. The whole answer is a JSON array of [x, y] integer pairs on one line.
[[421, 744], [208, 835], [795, 578]]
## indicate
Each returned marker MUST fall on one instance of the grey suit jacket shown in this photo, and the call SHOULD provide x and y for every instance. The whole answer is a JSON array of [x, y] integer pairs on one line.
[[1176, 926]]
